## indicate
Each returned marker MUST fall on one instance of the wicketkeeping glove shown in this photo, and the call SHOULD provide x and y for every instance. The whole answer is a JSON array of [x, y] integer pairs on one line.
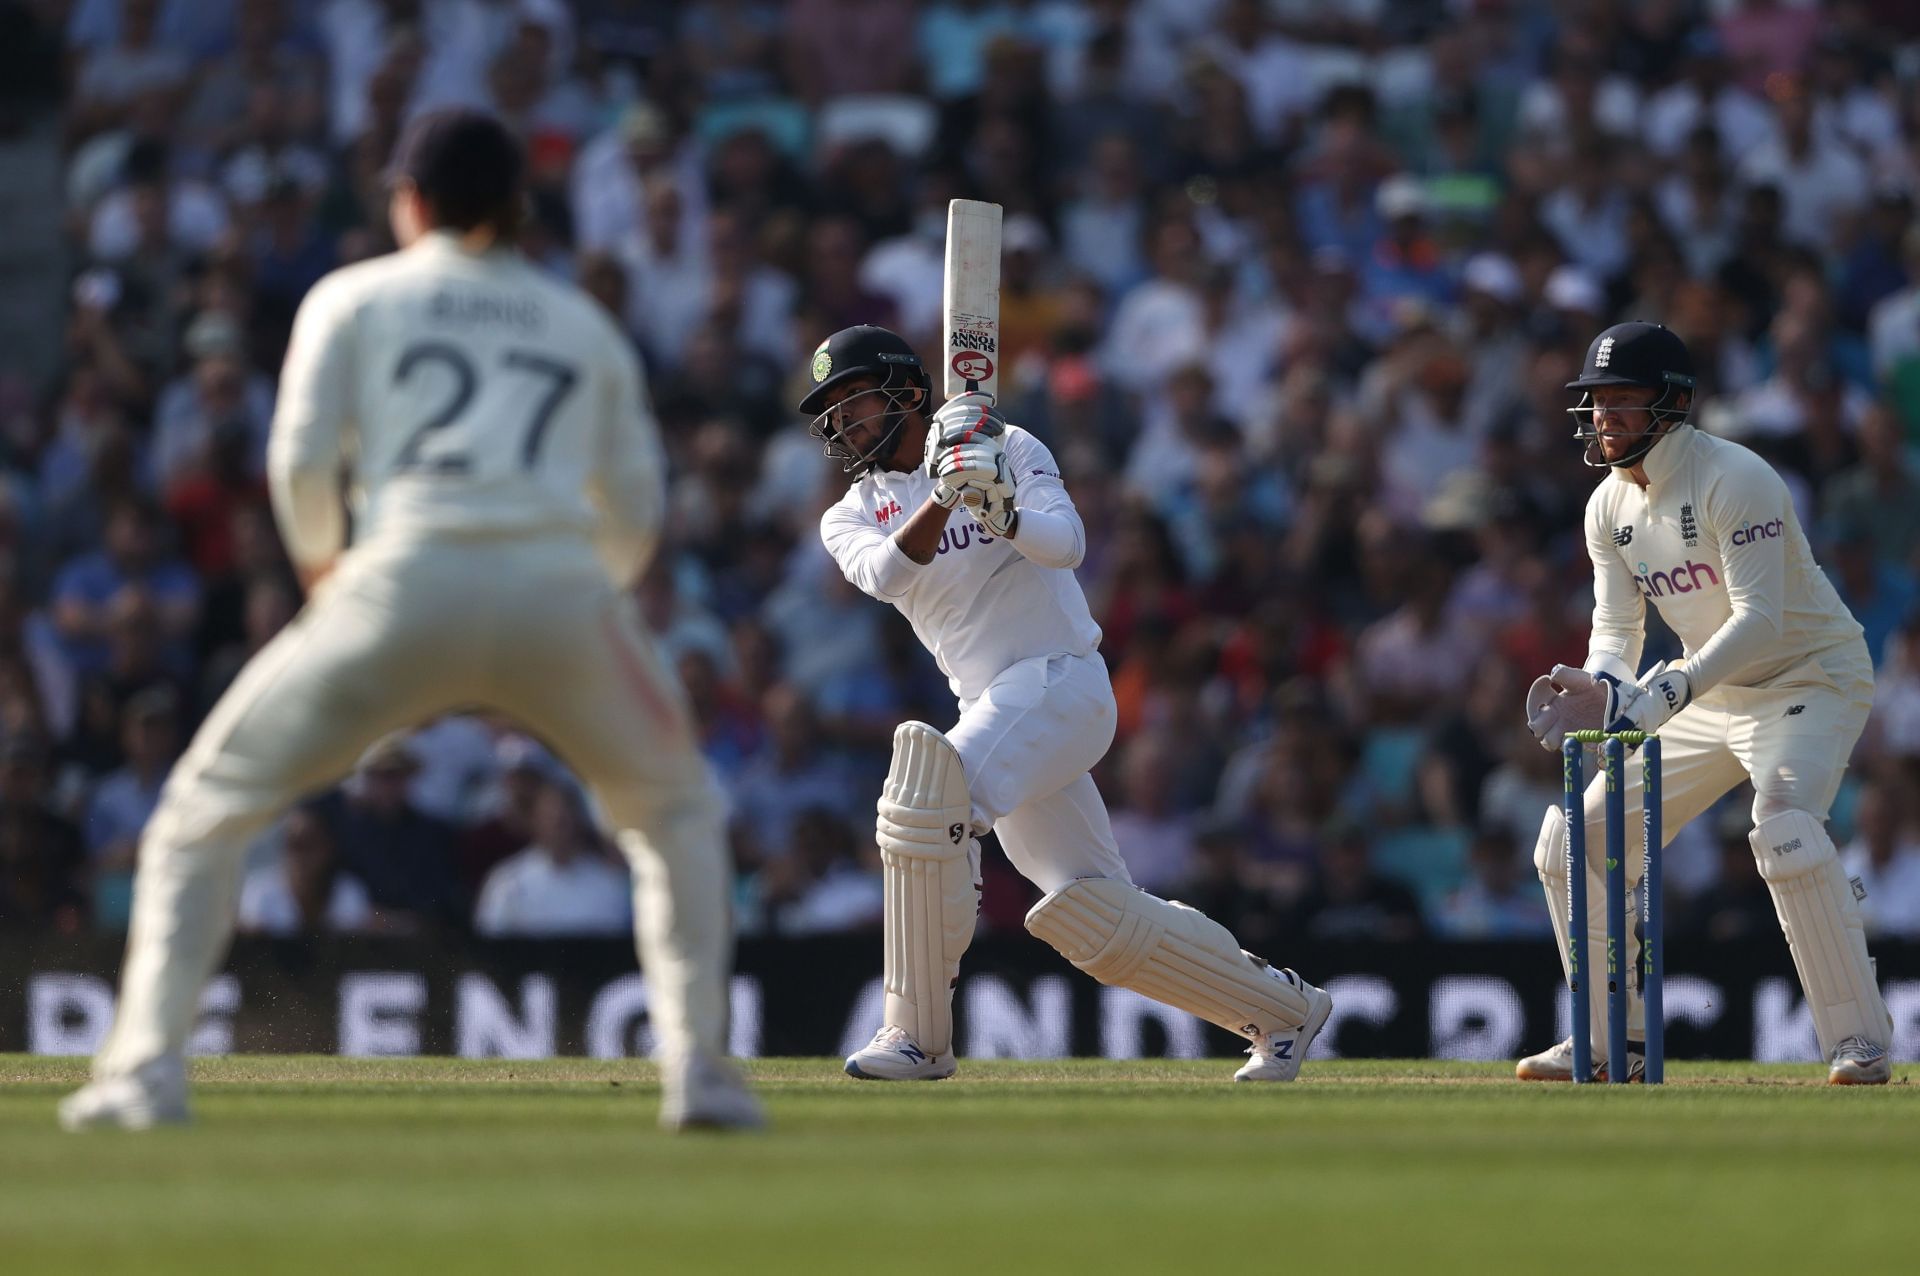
[[1646, 705]]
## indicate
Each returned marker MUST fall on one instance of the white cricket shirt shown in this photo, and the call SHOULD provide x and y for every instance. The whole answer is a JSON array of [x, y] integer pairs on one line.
[[981, 605], [461, 392], [1714, 544]]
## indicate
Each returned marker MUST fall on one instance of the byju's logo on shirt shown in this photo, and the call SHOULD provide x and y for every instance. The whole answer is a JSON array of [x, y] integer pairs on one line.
[[1623, 536], [891, 510], [1679, 580], [1751, 532]]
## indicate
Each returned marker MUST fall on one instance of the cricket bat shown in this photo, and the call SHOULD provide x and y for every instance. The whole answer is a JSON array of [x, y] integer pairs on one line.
[[970, 309]]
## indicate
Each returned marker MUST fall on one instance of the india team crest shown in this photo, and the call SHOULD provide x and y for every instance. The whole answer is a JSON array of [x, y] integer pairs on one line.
[[822, 363]]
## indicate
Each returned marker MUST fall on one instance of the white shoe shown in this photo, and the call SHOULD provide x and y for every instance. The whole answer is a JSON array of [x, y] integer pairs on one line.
[[702, 1092], [1857, 1061], [1555, 1063], [153, 1094], [892, 1055], [1278, 1055]]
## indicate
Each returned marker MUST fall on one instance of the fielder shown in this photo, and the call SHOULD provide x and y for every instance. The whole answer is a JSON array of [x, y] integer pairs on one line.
[[1775, 686], [994, 599], [508, 484]]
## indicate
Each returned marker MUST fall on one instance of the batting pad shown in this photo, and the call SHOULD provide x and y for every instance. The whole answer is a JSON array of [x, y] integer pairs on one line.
[[1818, 911], [1123, 936], [931, 865]]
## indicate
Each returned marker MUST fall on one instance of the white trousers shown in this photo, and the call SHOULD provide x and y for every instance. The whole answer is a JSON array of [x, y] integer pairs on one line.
[[1792, 741], [402, 632], [1027, 745]]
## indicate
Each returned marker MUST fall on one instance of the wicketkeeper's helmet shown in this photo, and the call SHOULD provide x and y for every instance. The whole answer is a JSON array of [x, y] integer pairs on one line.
[[1635, 353]]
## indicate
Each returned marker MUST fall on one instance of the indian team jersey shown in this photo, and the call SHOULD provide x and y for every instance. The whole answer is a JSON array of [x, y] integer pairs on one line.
[[980, 606], [1714, 544], [463, 391]]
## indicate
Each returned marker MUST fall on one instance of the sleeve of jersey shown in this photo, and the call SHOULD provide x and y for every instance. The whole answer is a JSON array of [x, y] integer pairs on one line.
[[1619, 610], [307, 446], [629, 481], [1049, 532], [867, 556], [1746, 506]]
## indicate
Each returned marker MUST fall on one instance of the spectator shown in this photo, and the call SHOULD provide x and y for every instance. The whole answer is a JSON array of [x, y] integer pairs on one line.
[[791, 774], [1884, 857], [1349, 900], [217, 397], [1502, 898], [1155, 837], [112, 74], [1880, 496], [1298, 342], [1738, 906], [92, 589], [1226, 883], [563, 884], [404, 858], [42, 867], [123, 801], [824, 885], [525, 770], [305, 892], [1822, 186]]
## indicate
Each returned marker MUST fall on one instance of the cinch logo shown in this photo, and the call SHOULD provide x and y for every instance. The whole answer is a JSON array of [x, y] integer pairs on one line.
[[890, 510], [1681, 580], [1751, 532]]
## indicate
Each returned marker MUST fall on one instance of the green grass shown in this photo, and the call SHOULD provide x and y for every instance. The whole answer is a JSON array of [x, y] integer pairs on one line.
[[454, 1167]]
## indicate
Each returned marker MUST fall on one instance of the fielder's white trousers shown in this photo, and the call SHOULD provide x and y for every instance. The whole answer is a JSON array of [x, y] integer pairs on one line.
[[403, 631], [1027, 744], [1793, 741]]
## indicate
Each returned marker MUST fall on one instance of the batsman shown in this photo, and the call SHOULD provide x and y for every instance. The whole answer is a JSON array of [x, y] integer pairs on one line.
[[991, 592], [1774, 687]]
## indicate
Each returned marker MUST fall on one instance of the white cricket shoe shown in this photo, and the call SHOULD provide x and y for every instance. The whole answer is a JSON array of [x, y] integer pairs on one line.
[[1555, 1063], [1278, 1055], [702, 1092], [153, 1094], [892, 1055], [1857, 1061]]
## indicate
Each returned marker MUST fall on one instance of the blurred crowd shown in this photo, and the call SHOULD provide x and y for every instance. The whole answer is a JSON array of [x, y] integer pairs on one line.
[[1291, 288]]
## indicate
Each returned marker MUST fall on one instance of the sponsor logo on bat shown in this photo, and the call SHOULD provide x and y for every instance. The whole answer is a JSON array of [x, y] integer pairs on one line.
[[971, 365], [975, 339]]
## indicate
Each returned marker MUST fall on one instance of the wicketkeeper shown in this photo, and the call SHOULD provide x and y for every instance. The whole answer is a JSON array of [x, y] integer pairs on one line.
[[1775, 685]]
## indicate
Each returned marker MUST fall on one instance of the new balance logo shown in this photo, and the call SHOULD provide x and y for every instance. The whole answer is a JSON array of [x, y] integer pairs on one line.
[[1794, 711], [1284, 1051], [1623, 536], [914, 1053]]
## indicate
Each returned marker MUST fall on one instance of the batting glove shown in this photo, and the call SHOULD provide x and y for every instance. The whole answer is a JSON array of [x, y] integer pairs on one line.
[[964, 442]]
